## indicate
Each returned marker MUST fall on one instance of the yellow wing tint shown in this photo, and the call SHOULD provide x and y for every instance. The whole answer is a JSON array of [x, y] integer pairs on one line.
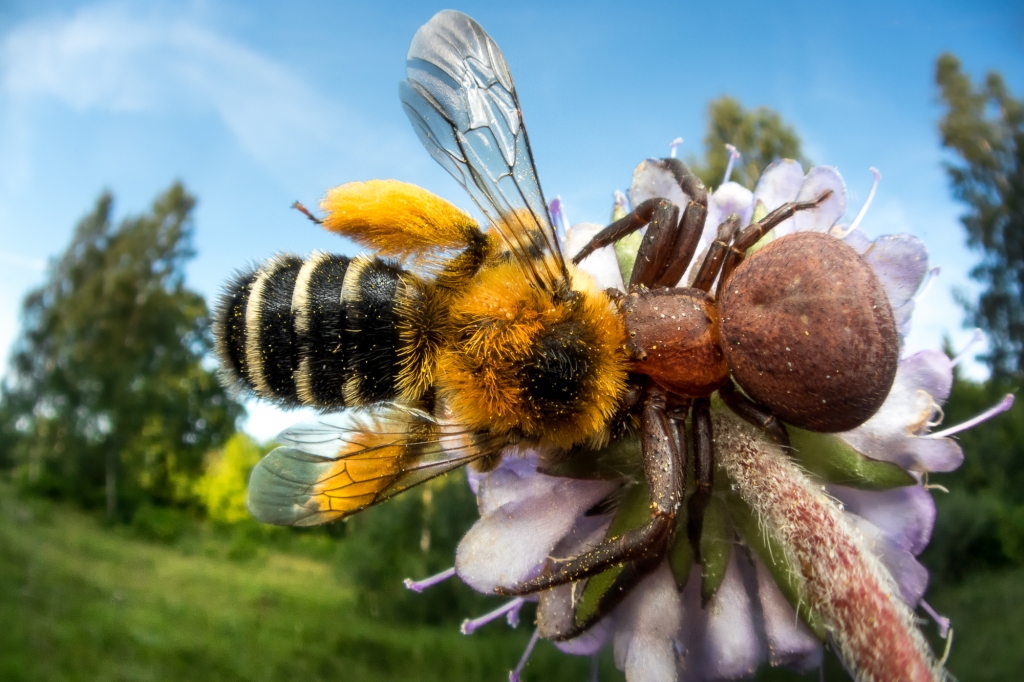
[[396, 219], [335, 465]]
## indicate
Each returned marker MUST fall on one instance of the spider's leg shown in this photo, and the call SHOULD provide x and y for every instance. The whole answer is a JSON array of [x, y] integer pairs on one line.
[[632, 573], [703, 474], [753, 413], [753, 233], [716, 253], [670, 241], [665, 482]]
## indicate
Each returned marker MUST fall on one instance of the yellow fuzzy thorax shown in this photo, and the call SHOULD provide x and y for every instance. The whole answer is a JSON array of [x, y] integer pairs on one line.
[[500, 324]]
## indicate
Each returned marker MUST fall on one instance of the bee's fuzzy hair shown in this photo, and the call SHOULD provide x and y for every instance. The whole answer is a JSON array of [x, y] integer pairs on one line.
[[522, 363]]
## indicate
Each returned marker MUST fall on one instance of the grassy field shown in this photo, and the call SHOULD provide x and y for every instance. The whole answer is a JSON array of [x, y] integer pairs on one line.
[[80, 601]]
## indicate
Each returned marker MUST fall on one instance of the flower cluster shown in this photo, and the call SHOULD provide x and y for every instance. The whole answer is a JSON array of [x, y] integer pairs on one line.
[[817, 544]]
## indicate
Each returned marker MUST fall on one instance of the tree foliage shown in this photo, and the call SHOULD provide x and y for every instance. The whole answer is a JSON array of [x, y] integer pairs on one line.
[[108, 398], [984, 126], [760, 135]]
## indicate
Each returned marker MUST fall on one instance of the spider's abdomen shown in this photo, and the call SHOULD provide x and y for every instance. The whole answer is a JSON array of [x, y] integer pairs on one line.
[[808, 332]]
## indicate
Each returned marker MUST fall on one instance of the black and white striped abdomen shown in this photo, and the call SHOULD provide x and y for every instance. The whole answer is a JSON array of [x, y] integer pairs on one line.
[[321, 332]]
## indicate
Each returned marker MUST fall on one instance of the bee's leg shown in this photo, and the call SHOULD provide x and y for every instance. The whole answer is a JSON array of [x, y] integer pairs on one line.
[[665, 254], [703, 474], [665, 481], [753, 413], [755, 231]]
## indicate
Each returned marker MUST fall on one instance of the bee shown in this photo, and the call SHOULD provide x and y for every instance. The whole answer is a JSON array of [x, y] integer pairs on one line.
[[452, 342]]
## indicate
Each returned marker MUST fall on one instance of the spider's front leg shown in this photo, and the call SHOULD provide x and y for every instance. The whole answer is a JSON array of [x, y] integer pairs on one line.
[[665, 480], [670, 241]]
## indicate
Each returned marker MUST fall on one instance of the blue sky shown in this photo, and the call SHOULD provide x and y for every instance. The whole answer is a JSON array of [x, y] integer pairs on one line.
[[256, 104]]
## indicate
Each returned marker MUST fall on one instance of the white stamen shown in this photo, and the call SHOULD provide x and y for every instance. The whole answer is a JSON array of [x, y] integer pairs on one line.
[[733, 155], [672, 147], [514, 675], [470, 625], [941, 621], [871, 196], [932, 274], [593, 668], [978, 337], [420, 585], [558, 218], [1002, 406]]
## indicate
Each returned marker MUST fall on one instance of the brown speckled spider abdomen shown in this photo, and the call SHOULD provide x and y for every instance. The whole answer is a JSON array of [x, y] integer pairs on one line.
[[808, 332]]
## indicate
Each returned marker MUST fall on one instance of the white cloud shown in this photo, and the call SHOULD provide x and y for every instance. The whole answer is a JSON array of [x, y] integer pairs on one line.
[[105, 59]]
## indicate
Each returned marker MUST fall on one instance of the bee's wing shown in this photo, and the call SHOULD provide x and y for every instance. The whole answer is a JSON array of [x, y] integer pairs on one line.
[[461, 100], [335, 465]]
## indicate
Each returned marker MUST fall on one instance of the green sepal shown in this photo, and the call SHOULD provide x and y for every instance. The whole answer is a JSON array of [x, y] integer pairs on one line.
[[836, 461], [619, 460], [716, 542], [680, 557], [625, 251], [634, 511], [774, 558]]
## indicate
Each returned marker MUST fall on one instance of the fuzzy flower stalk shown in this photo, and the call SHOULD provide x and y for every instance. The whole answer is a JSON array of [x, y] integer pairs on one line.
[[843, 582]]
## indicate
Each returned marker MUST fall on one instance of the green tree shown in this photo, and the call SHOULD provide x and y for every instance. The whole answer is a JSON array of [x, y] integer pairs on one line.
[[984, 126], [759, 135], [108, 399]]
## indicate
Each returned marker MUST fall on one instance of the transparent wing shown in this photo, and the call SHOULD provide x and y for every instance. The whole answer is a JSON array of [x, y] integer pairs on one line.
[[338, 464], [460, 98]]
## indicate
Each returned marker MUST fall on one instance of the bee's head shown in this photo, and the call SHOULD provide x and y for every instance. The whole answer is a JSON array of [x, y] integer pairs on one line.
[[526, 362]]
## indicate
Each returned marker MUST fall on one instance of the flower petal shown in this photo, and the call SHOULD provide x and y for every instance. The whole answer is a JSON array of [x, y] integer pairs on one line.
[[910, 576], [790, 642], [516, 478], [651, 179], [779, 183], [892, 434], [820, 219], [511, 543], [649, 620], [729, 198], [904, 515], [602, 265], [590, 642], [720, 640], [932, 454]]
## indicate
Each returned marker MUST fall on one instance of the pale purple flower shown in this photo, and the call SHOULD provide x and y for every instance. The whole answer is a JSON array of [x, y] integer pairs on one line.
[[660, 632]]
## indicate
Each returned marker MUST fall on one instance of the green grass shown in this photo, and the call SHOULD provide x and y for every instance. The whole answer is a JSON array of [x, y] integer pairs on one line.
[[80, 601], [83, 601]]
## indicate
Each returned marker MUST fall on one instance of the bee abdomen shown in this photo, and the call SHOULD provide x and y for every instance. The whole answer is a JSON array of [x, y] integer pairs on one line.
[[270, 348], [370, 295], [323, 332], [319, 313]]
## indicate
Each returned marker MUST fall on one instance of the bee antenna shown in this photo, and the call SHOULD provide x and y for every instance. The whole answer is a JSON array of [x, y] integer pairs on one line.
[[305, 211]]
